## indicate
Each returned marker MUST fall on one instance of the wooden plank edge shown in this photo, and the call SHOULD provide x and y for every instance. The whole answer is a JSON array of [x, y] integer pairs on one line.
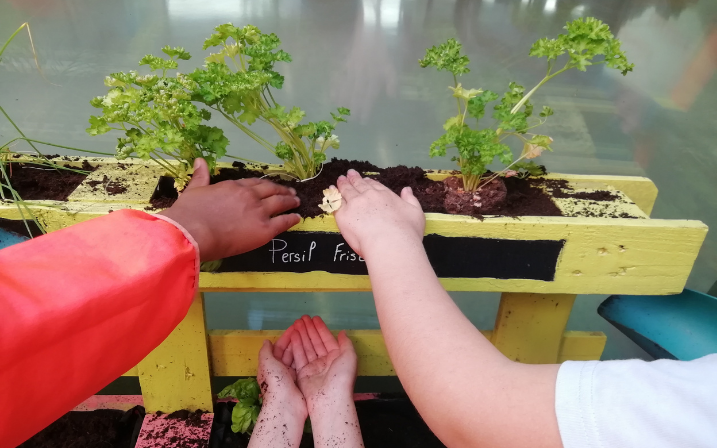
[[234, 352]]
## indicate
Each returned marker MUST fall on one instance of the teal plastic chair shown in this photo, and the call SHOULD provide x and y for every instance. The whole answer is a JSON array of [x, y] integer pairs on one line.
[[682, 326], [8, 238]]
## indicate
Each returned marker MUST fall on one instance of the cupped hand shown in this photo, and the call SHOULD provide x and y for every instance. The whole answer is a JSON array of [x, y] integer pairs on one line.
[[277, 377], [371, 215], [325, 366], [234, 216]]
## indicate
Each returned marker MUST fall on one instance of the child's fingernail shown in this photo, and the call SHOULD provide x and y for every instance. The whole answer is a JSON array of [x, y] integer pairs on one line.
[[298, 200], [196, 164], [292, 191], [342, 177], [352, 171]]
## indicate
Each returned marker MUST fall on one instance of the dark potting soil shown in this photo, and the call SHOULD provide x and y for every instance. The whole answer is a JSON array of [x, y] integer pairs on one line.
[[191, 419], [385, 423], [522, 199], [101, 428], [33, 182], [18, 226]]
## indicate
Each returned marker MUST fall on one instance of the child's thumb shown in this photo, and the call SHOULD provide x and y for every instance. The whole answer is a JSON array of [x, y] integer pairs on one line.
[[200, 178]]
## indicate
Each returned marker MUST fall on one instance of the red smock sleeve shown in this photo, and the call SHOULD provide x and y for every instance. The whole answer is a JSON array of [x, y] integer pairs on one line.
[[81, 306]]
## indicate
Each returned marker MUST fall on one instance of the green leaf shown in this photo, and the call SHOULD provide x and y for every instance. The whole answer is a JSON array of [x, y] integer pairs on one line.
[[344, 111], [294, 117], [241, 389], [547, 111], [476, 105], [157, 63], [453, 121], [305, 130], [446, 56], [177, 52], [284, 151], [232, 103], [529, 168], [585, 39], [319, 158], [98, 126], [244, 417]]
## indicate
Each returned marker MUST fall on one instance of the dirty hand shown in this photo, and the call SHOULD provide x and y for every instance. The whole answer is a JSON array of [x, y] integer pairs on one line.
[[371, 215], [234, 216], [325, 367], [276, 377]]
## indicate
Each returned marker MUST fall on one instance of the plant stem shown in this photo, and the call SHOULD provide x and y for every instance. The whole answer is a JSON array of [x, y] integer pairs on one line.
[[458, 100], [57, 146], [2, 50], [165, 165], [529, 94], [19, 131]]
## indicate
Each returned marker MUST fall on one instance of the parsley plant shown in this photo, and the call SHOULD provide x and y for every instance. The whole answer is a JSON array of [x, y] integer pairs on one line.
[[237, 82], [158, 118], [477, 148]]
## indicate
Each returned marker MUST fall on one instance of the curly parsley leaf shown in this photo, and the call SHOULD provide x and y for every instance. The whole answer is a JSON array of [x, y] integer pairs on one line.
[[447, 56]]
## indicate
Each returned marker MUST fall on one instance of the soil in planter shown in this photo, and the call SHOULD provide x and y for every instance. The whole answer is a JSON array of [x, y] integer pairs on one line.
[[33, 182], [107, 428], [522, 197], [385, 423], [191, 419]]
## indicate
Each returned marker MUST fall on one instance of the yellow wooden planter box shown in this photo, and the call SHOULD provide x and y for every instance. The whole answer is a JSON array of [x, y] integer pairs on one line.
[[590, 256], [599, 255]]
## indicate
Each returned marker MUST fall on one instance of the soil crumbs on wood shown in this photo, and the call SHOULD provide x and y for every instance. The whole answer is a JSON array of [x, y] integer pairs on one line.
[[600, 202], [523, 197], [107, 428], [112, 187], [33, 182]]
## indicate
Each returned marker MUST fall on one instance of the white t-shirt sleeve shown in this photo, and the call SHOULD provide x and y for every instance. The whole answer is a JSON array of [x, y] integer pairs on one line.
[[634, 403]]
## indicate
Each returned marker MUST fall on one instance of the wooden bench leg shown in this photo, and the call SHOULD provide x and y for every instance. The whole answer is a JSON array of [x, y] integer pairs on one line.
[[529, 327], [175, 375]]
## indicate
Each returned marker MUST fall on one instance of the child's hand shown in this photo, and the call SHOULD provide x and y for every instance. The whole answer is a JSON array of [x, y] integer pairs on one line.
[[373, 216], [234, 216], [326, 368], [276, 377]]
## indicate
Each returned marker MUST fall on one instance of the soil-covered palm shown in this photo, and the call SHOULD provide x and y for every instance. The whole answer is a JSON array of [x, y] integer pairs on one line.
[[326, 367]]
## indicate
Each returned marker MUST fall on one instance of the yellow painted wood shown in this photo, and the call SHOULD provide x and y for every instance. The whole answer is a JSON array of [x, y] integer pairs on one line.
[[582, 346], [529, 327], [235, 352], [134, 371], [176, 375], [139, 180], [601, 256]]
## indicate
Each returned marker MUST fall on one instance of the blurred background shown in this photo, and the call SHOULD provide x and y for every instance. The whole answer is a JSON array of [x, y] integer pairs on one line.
[[658, 122]]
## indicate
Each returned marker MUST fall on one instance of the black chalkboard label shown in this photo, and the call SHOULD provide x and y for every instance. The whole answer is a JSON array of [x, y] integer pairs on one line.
[[451, 257]]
